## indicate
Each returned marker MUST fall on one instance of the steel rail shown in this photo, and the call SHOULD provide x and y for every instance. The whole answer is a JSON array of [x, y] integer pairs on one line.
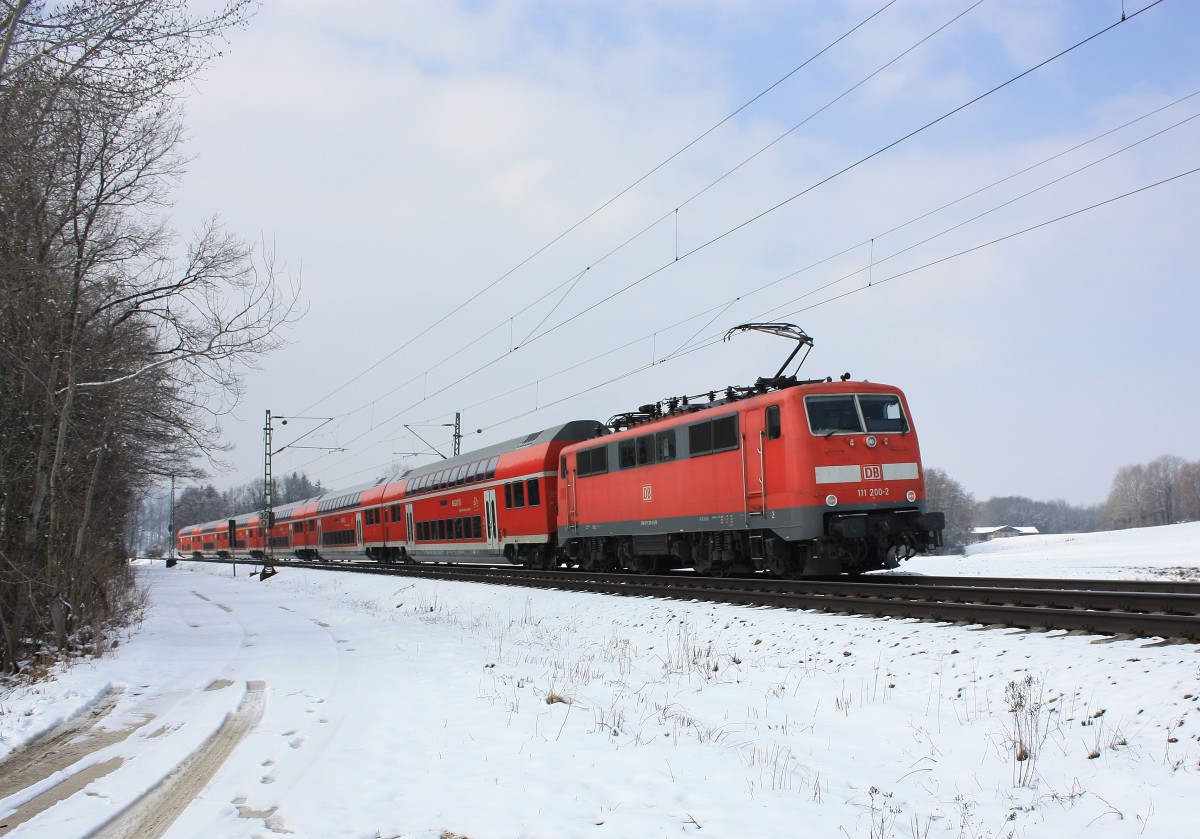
[[1122, 607]]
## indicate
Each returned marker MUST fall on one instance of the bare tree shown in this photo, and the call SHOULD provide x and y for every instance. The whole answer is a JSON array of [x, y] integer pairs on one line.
[[946, 494], [117, 357]]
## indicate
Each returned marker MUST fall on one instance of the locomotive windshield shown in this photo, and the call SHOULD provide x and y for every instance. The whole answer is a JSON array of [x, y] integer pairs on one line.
[[850, 413]]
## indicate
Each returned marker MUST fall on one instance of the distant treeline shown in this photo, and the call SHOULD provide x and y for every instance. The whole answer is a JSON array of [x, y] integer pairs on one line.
[[1164, 491]]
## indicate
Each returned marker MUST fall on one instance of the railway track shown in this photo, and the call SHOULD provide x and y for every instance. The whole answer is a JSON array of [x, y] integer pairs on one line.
[[1163, 609]]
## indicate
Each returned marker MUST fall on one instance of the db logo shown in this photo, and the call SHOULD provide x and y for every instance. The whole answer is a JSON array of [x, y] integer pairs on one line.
[[646, 494], [872, 473]]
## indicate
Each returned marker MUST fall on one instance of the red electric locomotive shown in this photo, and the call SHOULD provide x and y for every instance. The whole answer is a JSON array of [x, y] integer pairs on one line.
[[791, 477]]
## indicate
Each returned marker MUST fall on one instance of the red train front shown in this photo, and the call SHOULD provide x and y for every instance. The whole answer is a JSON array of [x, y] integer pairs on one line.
[[810, 478]]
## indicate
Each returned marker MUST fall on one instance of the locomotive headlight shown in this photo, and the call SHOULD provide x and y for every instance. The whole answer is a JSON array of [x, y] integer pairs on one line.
[[911, 496], [871, 441], [830, 500]]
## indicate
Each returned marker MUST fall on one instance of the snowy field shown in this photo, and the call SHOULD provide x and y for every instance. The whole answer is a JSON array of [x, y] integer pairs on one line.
[[338, 705]]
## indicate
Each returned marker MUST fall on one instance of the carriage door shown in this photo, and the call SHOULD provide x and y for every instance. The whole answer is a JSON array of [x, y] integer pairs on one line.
[[568, 478], [754, 461], [358, 528], [491, 526], [410, 533]]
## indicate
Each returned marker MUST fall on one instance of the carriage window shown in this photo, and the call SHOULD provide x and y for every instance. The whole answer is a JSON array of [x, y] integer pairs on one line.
[[471, 471], [664, 443], [774, 426], [476, 527], [491, 467], [518, 493], [458, 528], [508, 496], [533, 492]]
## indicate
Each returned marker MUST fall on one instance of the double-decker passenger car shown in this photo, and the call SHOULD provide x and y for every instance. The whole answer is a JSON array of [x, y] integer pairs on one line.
[[492, 505]]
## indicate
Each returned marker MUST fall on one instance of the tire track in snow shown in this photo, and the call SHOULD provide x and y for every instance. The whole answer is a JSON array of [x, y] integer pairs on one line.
[[154, 812], [54, 751]]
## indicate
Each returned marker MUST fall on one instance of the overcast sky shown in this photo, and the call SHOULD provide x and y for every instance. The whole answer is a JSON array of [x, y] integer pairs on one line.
[[404, 157]]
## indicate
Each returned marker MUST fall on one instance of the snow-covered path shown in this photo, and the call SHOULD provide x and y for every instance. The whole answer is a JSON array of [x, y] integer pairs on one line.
[[398, 707]]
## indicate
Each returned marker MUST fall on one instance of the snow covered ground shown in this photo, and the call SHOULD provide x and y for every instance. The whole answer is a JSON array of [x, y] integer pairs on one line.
[[330, 705]]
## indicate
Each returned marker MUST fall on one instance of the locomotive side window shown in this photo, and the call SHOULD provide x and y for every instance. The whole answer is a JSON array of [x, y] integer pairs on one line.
[[664, 444], [774, 425], [645, 449], [725, 433], [715, 435], [592, 461], [562, 468], [626, 454], [883, 412]]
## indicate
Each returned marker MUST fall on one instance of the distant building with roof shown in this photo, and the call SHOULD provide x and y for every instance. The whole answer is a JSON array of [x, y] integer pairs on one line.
[[987, 534]]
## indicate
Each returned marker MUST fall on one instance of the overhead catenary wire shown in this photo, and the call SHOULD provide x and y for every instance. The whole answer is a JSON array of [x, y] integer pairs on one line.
[[456, 309], [572, 282], [797, 195], [747, 294], [718, 337]]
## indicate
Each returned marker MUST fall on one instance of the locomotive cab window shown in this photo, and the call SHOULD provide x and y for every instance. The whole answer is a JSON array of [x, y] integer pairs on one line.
[[883, 412], [832, 414], [855, 414]]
